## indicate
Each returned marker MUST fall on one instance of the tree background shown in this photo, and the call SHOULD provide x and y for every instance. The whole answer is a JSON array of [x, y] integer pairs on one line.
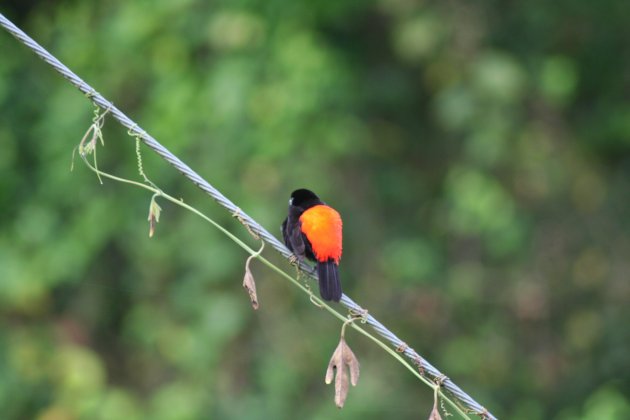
[[478, 152]]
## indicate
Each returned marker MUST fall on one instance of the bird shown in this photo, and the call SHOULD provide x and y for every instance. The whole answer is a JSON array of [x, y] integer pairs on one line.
[[312, 229]]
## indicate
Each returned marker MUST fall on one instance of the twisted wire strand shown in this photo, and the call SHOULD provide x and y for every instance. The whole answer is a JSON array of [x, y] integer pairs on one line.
[[423, 365]]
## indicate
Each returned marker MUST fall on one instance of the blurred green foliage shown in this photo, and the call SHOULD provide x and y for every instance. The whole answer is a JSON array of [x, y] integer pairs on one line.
[[478, 152]]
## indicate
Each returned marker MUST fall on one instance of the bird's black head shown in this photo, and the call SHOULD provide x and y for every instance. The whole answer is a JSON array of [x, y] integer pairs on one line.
[[304, 198]]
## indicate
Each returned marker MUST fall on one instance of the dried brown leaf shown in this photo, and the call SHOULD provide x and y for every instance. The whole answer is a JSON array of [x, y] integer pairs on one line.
[[154, 216], [435, 413], [342, 358], [250, 285]]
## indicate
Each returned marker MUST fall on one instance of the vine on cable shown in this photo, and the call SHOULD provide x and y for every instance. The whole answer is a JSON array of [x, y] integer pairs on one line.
[[343, 357], [94, 133], [435, 412], [438, 404], [459, 400], [249, 283]]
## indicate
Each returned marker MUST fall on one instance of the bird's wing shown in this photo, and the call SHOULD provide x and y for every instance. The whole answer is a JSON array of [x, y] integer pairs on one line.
[[293, 237]]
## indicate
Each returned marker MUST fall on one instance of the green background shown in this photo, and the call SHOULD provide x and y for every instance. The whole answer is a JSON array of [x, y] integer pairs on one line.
[[479, 153]]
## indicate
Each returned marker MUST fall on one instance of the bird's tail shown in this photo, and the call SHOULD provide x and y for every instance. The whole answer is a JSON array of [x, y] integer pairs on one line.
[[329, 282]]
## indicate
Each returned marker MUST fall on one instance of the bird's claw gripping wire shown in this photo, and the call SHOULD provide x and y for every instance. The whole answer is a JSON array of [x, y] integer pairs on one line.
[[294, 260]]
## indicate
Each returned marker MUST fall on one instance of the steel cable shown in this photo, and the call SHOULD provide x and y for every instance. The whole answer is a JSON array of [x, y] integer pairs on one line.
[[422, 364]]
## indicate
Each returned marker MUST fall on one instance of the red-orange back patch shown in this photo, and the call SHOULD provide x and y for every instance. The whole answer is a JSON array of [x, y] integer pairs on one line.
[[322, 226]]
